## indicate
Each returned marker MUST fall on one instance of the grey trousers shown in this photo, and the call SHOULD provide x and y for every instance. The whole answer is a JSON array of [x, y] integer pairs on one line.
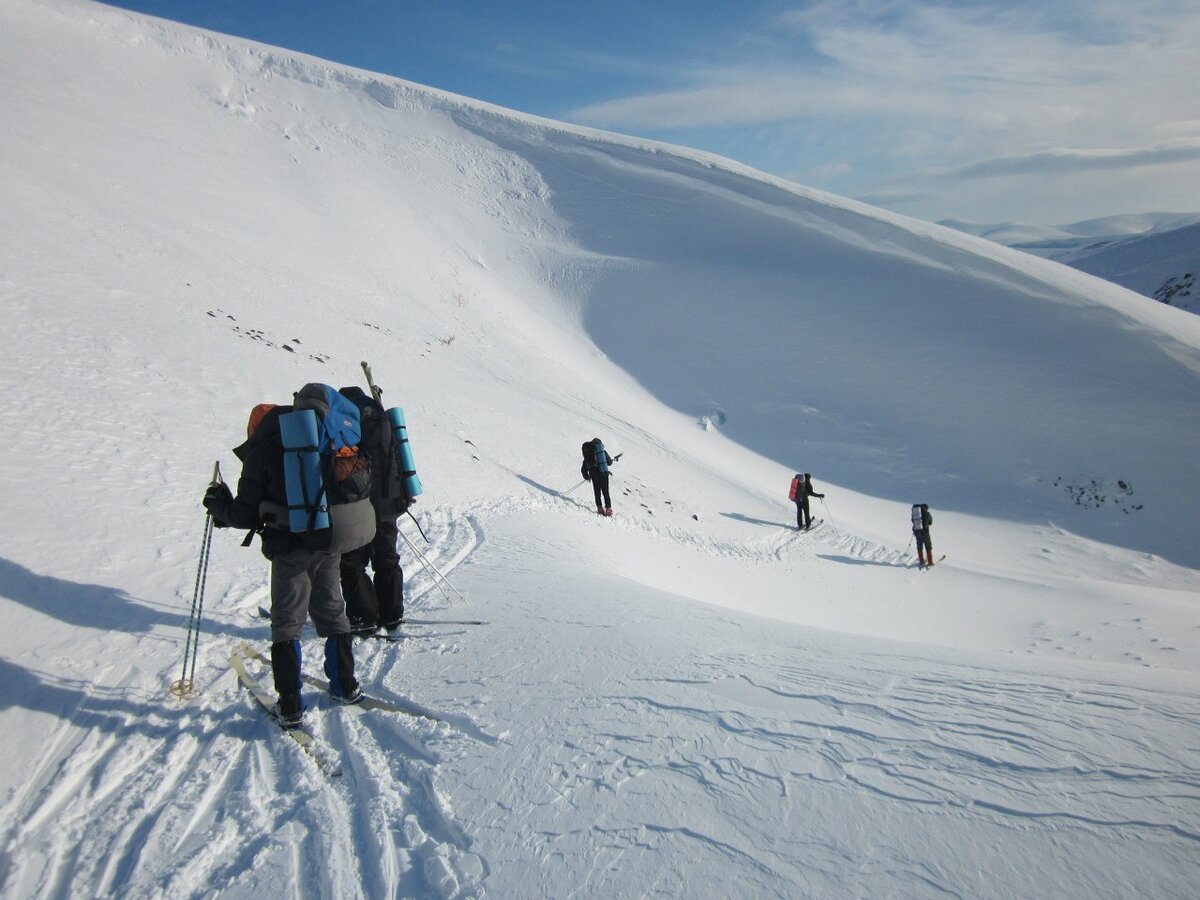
[[304, 583]]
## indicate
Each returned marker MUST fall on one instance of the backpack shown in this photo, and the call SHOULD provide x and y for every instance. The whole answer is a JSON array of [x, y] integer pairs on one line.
[[327, 478], [599, 457], [918, 517], [795, 489], [586, 469], [256, 416], [389, 491]]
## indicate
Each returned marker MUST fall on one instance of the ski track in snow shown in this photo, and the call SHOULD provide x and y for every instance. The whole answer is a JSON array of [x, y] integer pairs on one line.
[[233, 806]]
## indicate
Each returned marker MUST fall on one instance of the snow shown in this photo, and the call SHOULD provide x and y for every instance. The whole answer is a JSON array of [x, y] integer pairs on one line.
[[688, 699], [1146, 263]]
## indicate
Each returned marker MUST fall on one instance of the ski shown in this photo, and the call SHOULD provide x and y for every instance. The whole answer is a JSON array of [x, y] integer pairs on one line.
[[811, 525], [443, 622], [324, 760], [384, 636], [932, 564], [264, 613], [398, 638], [365, 703]]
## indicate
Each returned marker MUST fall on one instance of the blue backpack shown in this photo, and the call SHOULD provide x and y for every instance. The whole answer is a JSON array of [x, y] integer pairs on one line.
[[328, 481], [601, 458]]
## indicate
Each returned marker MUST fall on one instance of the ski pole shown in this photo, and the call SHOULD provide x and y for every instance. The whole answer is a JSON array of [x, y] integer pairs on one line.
[[569, 490], [431, 568], [828, 513], [418, 524], [186, 685]]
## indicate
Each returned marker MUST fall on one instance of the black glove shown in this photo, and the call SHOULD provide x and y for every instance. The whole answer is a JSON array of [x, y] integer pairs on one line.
[[217, 500]]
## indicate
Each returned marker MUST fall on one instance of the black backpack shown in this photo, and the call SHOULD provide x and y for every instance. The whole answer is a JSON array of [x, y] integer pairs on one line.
[[388, 492]]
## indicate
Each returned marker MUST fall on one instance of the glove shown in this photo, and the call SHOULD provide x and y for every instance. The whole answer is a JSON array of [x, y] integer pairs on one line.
[[217, 500]]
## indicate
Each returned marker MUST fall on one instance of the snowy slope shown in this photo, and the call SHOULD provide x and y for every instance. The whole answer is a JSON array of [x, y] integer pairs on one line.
[[688, 699], [1053, 241], [1149, 264]]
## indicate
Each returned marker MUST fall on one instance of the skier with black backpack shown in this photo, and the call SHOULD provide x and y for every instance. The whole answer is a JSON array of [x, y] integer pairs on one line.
[[379, 602], [306, 494], [595, 469]]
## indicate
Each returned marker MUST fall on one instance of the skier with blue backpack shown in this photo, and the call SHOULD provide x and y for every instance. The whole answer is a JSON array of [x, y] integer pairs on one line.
[[596, 462], [305, 489]]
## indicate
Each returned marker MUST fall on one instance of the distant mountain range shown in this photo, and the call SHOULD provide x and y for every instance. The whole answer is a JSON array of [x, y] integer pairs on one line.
[[1155, 254]]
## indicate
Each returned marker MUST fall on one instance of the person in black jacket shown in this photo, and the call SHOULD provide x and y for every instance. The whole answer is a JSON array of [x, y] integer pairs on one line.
[[804, 490], [378, 602], [922, 521], [304, 582], [595, 469]]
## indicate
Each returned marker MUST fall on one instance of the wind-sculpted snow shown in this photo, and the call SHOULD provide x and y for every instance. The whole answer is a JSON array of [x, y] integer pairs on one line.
[[690, 698], [712, 769]]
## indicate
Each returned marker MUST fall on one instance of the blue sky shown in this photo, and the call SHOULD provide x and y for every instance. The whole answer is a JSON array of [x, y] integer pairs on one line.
[[985, 111]]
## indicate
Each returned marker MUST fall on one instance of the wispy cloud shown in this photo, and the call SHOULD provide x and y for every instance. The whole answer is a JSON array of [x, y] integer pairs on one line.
[[968, 91], [1060, 161], [913, 187]]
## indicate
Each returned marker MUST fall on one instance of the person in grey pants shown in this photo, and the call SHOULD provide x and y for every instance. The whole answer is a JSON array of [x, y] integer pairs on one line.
[[304, 582]]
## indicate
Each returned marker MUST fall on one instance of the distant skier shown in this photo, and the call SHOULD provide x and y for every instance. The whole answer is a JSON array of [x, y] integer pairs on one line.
[[802, 489], [595, 469], [922, 518]]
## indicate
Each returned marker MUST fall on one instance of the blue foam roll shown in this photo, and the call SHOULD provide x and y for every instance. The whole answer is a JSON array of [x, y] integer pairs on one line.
[[302, 471], [601, 463], [408, 471]]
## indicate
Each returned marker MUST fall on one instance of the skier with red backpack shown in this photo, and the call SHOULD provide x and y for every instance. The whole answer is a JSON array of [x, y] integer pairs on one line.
[[799, 493], [306, 493]]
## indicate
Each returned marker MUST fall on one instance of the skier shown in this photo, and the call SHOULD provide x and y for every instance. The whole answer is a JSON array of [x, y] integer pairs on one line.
[[595, 469], [922, 518], [802, 489], [371, 604], [303, 582]]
